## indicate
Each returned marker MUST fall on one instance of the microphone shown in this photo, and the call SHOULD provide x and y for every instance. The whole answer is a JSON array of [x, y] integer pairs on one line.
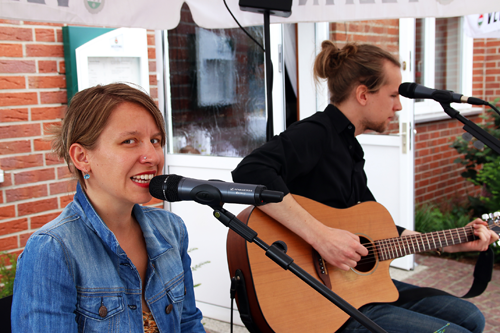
[[416, 91], [209, 192]]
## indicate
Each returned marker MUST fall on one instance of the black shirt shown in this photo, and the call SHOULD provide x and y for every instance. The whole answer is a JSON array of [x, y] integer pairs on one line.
[[318, 157]]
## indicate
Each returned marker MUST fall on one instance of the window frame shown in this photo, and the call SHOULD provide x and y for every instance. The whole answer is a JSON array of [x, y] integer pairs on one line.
[[429, 110]]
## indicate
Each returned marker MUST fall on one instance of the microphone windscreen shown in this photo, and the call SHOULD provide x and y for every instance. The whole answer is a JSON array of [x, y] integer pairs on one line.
[[165, 187], [407, 89]]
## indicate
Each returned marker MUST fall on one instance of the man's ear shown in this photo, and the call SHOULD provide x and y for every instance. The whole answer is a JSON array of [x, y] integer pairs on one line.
[[79, 156], [362, 94]]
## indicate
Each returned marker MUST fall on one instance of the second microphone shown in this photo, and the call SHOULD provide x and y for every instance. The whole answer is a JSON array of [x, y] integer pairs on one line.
[[177, 188]]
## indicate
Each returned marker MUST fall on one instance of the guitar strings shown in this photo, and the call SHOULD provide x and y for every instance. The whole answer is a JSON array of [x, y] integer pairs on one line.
[[400, 249]]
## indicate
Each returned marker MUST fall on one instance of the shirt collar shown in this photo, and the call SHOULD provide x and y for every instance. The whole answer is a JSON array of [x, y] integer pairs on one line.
[[338, 119], [93, 220]]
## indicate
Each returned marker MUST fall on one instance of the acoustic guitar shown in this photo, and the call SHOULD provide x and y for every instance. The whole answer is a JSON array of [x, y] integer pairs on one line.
[[281, 302]]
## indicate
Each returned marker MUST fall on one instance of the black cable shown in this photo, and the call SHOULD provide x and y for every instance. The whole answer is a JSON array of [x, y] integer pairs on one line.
[[256, 42], [490, 105]]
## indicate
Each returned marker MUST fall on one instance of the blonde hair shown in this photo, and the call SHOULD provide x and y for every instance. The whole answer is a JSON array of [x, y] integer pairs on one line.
[[351, 66], [88, 113]]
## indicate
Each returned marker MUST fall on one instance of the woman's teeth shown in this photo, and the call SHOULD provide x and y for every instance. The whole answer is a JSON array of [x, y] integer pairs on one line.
[[143, 178]]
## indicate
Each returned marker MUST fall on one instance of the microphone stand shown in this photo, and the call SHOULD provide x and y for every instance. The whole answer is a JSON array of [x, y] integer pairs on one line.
[[277, 252], [473, 129]]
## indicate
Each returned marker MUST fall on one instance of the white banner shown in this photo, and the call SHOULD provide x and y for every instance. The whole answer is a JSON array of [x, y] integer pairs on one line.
[[483, 25], [165, 14]]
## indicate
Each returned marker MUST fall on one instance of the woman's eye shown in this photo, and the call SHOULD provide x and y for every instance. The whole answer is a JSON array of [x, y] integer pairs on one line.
[[155, 141], [129, 141]]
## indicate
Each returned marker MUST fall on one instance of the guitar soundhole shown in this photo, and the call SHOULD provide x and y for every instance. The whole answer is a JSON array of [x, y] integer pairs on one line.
[[367, 263]]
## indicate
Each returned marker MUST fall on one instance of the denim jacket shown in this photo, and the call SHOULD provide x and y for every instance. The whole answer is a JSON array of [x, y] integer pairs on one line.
[[73, 276]]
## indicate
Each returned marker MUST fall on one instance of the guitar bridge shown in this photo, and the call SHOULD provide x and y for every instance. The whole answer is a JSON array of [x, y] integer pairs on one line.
[[321, 269]]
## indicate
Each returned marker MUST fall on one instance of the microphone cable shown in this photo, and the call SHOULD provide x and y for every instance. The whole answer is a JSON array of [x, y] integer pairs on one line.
[[244, 30]]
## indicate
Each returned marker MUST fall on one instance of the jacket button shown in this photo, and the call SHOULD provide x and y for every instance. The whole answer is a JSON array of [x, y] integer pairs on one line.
[[103, 311], [169, 308]]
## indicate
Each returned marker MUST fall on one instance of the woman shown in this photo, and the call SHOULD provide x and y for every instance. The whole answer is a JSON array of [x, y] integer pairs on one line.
[[107, 264]]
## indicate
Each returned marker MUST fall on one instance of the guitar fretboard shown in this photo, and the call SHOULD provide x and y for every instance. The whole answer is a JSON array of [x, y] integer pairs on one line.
[[391, 248]]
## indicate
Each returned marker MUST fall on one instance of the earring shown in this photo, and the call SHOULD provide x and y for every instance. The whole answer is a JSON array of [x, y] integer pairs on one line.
[[86, 176]]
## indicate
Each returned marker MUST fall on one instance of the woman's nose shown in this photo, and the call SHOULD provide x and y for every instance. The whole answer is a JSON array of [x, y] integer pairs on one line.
[[151, 154]]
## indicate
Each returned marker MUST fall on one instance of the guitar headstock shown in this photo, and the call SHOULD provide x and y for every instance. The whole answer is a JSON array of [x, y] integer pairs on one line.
[[493, 220]]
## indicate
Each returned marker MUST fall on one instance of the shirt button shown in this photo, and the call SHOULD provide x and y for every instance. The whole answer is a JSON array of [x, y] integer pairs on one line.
[[169, 308], [103, 311]]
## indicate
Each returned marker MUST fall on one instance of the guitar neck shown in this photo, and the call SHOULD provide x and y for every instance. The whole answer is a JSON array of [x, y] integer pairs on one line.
[[392, 248]]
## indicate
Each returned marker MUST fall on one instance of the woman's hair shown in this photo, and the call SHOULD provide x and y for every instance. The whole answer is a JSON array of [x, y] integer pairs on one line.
[[88, 113], [351, 66]]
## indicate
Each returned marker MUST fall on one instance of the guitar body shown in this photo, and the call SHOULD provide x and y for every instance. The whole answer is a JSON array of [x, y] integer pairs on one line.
[[281, 302]]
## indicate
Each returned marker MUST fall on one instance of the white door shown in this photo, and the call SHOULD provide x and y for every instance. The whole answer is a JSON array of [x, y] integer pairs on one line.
[[215, 109], [389, 158]]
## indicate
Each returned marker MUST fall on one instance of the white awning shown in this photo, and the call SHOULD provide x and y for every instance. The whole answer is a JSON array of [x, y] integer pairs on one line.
[[165, 14]]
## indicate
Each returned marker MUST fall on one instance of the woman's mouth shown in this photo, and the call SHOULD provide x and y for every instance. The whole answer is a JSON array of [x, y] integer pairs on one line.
[[143, 179]]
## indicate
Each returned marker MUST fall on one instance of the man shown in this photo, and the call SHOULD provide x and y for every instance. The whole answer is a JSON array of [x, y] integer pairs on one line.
[[320, 158]]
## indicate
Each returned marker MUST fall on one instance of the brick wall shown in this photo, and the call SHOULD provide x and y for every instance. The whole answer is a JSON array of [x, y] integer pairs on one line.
[[437, 178], [37, 185]]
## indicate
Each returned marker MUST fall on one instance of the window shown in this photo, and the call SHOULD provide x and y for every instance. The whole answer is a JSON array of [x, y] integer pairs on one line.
[[443, 60]]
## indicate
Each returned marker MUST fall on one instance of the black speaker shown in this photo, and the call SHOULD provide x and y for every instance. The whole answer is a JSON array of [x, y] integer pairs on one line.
[[281, 8]]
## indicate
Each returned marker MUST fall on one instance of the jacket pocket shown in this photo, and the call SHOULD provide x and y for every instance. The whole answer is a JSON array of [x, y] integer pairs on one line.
[[100, 307], [176, 291]]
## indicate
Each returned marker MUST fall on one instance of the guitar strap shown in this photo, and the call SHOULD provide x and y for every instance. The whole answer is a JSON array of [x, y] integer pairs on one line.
[[483, 272]]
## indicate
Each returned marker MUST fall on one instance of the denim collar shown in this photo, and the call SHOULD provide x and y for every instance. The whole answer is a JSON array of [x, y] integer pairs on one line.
[[90, 217]]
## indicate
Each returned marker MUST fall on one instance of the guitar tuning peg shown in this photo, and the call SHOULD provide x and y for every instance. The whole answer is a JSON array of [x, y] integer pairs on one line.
[[485, 217]]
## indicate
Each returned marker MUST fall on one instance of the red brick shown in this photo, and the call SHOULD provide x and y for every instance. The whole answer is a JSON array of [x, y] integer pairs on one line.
[[62, 67], [12, 82], [15, 147], [58, 81], [39, 220], [36, 206], [11, 50], [63, 172], [45, 35], [47, 66], [65, 200], [19, 98], [42, 144], [12, 115], [54, 97], [59, 36], [11, 227], [17, 66], [43, 23], [8, 243], [18, 131], [46, 128], [44, 50], [33, 176], [25, 193], [48, 113], [16, 34], [21, 161], [68, 186], [7, 180], [7, 212], [23, 238], [52, 159]]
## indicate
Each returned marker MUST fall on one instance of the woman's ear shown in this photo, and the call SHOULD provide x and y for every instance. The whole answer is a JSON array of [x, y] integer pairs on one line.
[[362, 94], [79, 156]]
